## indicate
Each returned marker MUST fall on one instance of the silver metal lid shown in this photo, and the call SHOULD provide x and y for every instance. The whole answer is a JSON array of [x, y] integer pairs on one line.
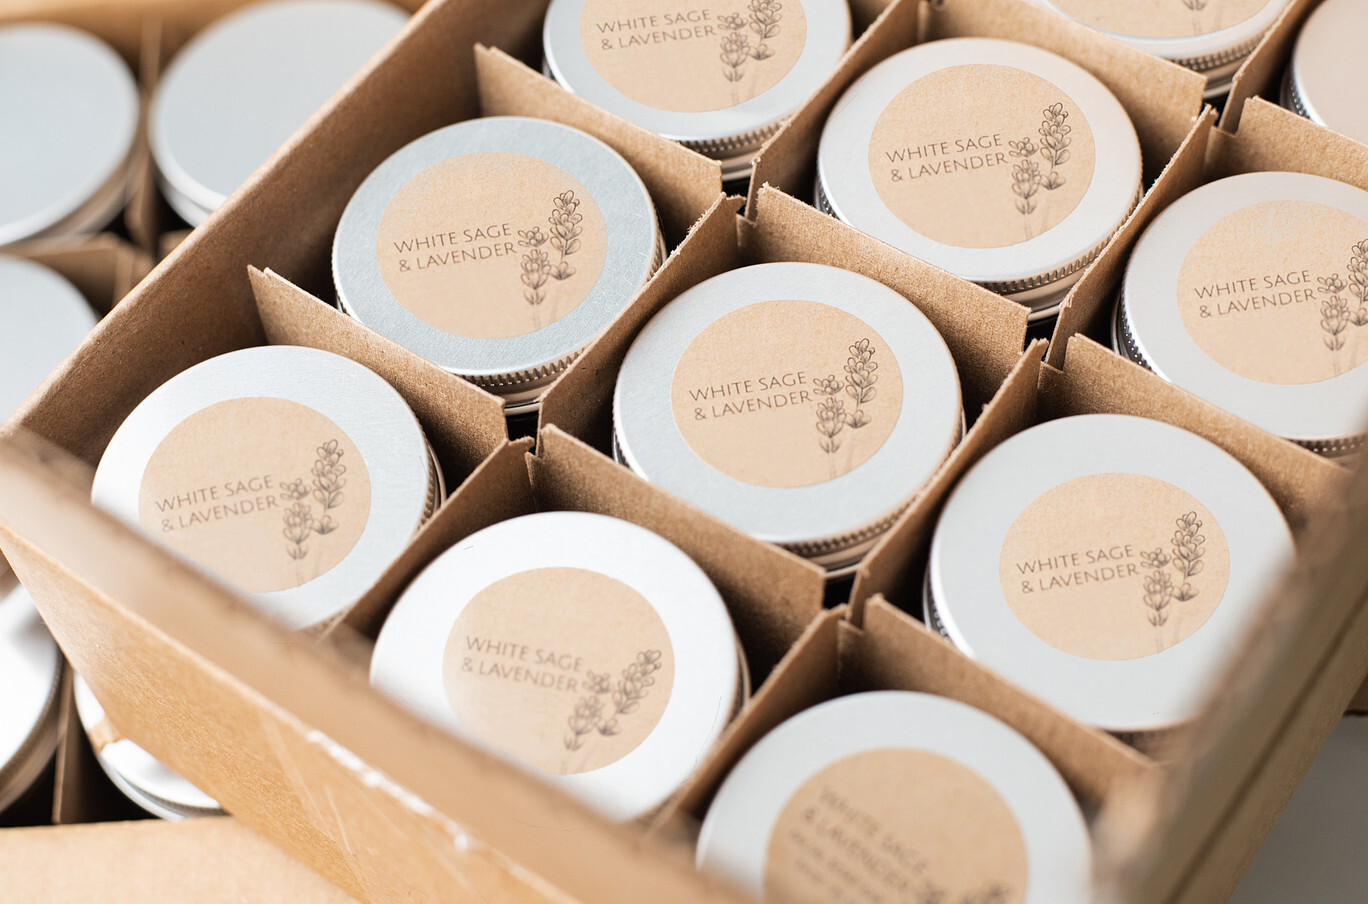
[[804, 404], [1249, 292], [497, 248], [1018, 190], [719, 78], [241, 87], [69, 117], [1212, 37], [585, 647], [294, 474], [30, 673], [983, 809], [1108, 564], [1327, 79], [142, 778], [42, 319]]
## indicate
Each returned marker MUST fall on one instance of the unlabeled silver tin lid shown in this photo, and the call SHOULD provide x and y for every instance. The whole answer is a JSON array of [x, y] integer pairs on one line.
[[69, 120], [1252, 293], [142, 778], [719, 77], [585, 647], [239, 89], [1327, 79], [292, 473], [497, 248], [804, 404], [1108, 564], [1000, 162], [42, 319], [30, 674], [921, 796], [1212, 37]]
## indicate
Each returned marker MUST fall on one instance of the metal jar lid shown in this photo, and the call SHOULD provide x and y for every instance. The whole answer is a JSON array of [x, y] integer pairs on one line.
[[719, 77], [43, 317], [1212, 37], [30, 673], [497, 248], [292, 473], [1000, 162], [69, 121], [1107, 564], [922, 796], [1252, 293], [142, 778], [585, 647], [240, 88], [803, 404], [1327, 79]]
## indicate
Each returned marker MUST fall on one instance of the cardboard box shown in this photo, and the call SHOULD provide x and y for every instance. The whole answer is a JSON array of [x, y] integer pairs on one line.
[[289, 735]]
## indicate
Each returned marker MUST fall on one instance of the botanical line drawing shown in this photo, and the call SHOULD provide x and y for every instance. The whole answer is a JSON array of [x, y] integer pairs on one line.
[[1338, 313], [536, 265], [1028, 177], [763, 20], [858, 384], [326, 489], [1196, 6], [607, 700], [992, 893], [1159, 589]]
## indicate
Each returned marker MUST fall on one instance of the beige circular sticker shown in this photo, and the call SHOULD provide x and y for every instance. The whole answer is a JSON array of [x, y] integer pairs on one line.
[[896, 825], [1114, 566], [981, 156], [786, 393], [267, 493], [566, 669], [491, 245], [1278, 292], [1161, 18], [691, 56]]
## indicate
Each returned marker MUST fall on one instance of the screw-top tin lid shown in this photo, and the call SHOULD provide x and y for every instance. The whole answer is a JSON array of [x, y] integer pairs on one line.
[[497, 248], [30, 673], [912, 796], [1327, 79], [69, 117], [1252, 293], [804, 404], [1003, 163], [1212, 37], [292, 473], [43, 318], [717, 76], [241, 87], [584, 647], [142, 778], [1108, 564]]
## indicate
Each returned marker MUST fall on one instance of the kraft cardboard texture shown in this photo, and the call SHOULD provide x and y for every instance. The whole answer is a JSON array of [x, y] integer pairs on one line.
[[1260, 75]]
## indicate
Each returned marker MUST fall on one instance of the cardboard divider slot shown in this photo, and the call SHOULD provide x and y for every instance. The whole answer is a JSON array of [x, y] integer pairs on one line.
[[1262, 71]]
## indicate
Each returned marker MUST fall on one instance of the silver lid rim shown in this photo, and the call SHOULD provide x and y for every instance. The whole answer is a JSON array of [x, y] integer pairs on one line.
[[1066, 248], [27, 754]]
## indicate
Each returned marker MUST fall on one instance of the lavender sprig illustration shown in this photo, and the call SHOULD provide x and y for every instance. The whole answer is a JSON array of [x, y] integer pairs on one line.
[[736, 49], [1334, 310], [860, 379], [1195, 5], [624, 698], [764, 21], [1157, 585], [1054, 143], [299, 524], [535, 264], [832, 415], [1187, 554], [586, 717], [566, 227], [1028, 178], [328, 483], [1358, 281]]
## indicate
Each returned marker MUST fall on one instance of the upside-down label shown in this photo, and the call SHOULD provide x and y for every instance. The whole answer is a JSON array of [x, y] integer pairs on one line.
[[1161, 18]]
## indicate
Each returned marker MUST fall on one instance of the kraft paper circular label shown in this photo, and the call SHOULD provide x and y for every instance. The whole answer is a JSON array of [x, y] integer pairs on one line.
[[267, 493], [691, 57], [896, 825], [1161, 18], [1114, 566], [491, 245], [786, 393], [566, 669], [1278, 292], [981, 156]]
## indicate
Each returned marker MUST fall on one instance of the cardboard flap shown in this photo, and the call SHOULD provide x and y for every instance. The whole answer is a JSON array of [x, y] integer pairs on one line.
[[682, 183], [288, 744], [1262, 70], [1271, 138]]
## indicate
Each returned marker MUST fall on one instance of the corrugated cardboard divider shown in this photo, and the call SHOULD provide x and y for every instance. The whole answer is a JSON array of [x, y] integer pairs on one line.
[[894, 652], [985, 332], [1262, 71], [289, 735], [1160, 97]]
